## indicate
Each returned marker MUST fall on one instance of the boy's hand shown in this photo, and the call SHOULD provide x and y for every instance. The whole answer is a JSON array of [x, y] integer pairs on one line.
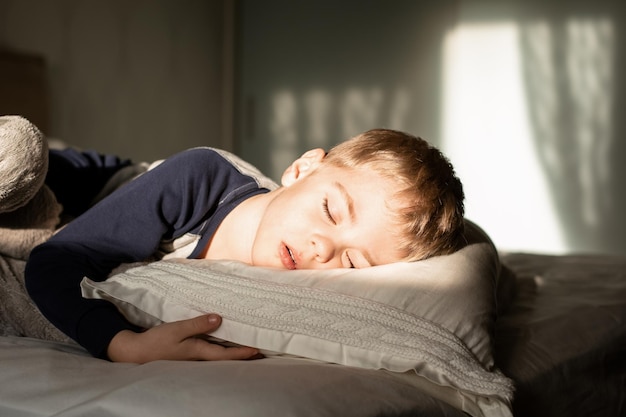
[[175, 341]]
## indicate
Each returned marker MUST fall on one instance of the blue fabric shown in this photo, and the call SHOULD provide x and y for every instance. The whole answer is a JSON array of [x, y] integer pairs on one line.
[[189, 193], [76, 177]]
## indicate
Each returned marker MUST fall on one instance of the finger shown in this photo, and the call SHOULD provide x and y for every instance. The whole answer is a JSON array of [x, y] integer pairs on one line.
[[204, 350], [196, 326], [239, 353]]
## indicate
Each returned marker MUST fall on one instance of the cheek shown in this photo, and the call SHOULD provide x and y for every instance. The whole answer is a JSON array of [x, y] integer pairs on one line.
[[272, 230], [290, 218]]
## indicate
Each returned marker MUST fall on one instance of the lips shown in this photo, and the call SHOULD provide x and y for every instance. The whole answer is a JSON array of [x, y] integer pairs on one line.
[[286, 257]]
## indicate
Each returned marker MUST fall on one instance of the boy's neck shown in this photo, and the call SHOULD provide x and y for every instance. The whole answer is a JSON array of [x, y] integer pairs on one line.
[[235, 236]]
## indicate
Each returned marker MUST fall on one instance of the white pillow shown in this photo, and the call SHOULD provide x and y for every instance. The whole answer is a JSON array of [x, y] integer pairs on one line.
[[434, 317]]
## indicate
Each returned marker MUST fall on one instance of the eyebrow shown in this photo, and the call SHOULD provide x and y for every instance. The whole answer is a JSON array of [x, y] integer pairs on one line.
[[347, 200]]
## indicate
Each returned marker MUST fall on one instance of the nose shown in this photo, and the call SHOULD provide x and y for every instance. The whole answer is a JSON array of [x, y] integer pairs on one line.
[[323, 248]]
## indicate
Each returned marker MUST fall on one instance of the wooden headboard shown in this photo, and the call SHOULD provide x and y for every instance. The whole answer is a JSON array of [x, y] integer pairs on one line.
[[24, 87]]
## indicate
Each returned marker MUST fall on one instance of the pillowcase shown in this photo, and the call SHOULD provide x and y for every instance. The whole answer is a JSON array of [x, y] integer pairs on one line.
[[434, 316]]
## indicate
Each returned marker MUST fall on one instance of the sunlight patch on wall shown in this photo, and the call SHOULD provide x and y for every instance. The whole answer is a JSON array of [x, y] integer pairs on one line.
[[527, 122], [487, 134], [318, 104], [590, 72], [569, 76], [283, 126], [320, 118], [360, 107]]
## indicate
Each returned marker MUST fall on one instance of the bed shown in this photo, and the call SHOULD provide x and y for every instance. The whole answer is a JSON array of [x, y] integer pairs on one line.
[[479, 332]]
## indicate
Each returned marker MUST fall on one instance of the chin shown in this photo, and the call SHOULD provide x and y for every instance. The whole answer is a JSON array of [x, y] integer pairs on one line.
[[265, 262]]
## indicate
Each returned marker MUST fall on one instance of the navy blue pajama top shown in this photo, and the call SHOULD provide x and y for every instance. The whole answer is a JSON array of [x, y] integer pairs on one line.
[[184, 198]]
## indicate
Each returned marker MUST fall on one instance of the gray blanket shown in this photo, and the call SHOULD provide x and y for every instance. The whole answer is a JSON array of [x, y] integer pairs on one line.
[[18, 314]]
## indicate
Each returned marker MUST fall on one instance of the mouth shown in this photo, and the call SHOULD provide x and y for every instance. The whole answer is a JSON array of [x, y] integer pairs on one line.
[[286, 257]]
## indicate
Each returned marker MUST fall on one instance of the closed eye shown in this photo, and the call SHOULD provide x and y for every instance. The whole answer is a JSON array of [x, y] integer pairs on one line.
[[350, 261], [327, 211]]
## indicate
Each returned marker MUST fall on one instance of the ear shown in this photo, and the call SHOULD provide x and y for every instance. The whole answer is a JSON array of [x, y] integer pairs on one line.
[[302, 166]]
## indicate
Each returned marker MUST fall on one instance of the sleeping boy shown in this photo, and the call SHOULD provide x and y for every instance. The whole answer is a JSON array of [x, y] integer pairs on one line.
[[383, 196]]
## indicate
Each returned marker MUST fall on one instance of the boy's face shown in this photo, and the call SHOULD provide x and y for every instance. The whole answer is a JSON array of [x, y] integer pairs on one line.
[[327, 217]]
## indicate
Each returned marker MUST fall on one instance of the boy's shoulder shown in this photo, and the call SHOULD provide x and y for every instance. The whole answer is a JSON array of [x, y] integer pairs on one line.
[[212, 158], [240, 165]]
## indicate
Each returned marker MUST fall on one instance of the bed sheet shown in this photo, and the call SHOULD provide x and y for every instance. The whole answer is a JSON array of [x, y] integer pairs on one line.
[[563, 338], [43, 378], [40, 378]]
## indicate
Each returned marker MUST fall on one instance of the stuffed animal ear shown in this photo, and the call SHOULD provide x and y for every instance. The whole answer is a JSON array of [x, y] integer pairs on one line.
[[23, 162]]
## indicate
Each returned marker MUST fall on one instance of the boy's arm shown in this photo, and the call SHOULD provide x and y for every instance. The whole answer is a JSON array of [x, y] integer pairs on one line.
[[128, 226]]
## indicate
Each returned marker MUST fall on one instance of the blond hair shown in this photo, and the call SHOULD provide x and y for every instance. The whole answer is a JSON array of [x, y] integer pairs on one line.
[[429, 198]]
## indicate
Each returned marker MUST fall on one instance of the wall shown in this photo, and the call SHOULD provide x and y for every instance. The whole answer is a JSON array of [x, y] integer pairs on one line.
[[525, 97], [142, 79], [534, 96], [315, 72]]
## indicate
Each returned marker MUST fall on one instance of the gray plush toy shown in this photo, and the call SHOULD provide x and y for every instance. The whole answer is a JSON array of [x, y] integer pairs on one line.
[[29, 215], [29, 211]]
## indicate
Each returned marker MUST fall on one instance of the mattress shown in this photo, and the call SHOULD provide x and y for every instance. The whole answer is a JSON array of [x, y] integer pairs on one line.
[[563, 337]]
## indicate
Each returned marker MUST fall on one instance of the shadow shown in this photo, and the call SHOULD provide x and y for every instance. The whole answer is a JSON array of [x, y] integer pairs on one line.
[[574, 88], [564, 332]]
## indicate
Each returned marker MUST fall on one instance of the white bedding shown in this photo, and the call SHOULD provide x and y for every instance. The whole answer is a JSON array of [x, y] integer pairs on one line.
[[432, 319], [40, 378], [562, 339]]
